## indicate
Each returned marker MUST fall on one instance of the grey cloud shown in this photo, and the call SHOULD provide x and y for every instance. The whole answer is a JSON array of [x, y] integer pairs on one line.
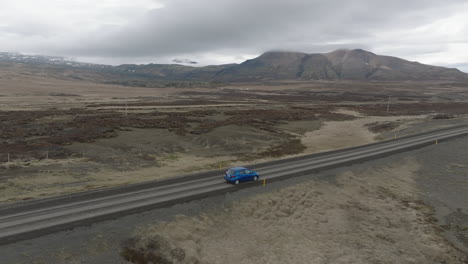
[[240, 27], [28, 29], [184, 61], [186, 26]]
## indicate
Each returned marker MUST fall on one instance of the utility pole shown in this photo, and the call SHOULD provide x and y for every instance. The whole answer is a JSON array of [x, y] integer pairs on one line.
[[388, 104]]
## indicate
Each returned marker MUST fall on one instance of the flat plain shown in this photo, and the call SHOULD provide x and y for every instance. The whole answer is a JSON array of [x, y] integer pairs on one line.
[[63, 136]]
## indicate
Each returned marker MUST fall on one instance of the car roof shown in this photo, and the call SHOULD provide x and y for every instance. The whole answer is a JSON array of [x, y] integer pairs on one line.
[[238, 168]]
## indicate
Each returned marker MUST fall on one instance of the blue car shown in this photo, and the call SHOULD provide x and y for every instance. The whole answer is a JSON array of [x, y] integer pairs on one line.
[[239, 174]]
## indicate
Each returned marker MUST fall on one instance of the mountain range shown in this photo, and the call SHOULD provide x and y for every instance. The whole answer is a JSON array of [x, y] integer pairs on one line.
[[342, 64]]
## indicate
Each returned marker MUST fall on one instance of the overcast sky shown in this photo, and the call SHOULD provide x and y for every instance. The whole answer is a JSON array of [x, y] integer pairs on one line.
[[227, 31]]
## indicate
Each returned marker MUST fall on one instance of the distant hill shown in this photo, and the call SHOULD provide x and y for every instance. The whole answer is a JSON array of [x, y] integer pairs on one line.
[[343, 64], [14, 57]]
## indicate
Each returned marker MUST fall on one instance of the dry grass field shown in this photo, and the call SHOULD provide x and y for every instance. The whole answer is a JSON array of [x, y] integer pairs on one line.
[[64, 136], [61, 136], [370, 216]]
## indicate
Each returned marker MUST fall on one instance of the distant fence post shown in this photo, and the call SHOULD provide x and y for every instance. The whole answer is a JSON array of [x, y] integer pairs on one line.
[[388, 104], [126, 106]]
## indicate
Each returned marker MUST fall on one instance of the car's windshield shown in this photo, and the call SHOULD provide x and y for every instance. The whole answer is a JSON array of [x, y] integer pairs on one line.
[[230, 172]]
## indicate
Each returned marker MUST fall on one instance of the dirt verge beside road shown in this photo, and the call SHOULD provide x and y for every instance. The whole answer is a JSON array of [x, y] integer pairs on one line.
[[397, 209], [370, 216]]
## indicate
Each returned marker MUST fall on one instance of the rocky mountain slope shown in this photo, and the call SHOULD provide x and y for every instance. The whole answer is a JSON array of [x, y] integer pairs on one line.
[[341, 64]]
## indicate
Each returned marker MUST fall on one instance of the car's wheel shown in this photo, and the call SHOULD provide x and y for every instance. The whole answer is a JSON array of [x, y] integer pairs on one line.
[[236, 182], [255, 178]]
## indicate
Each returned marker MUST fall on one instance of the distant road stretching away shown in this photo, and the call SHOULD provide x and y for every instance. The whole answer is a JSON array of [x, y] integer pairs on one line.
[[26, 220]]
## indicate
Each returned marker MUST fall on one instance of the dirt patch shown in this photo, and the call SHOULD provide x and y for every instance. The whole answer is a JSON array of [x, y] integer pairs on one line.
[[443, 116], [377, 218], [288, 147], [450, 109], [300, 127], [336, 135], [380, 127]]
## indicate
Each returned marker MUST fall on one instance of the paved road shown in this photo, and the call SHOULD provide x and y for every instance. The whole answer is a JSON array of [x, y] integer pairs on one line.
[[26, 220]]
